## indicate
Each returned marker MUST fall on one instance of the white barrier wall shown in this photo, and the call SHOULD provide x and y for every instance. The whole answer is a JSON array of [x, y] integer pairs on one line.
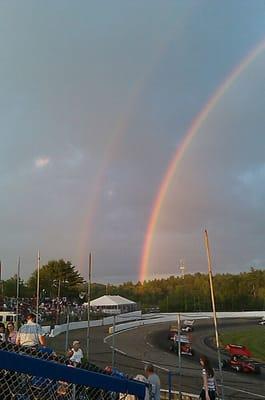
[[58, 329], [160, 318], [136, 319]]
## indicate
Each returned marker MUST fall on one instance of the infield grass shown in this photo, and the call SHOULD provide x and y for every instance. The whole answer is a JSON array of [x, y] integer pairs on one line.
[[252, 338]]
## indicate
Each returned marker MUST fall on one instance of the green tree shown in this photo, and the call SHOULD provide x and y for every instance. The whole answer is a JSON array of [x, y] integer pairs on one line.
[[58, 276]]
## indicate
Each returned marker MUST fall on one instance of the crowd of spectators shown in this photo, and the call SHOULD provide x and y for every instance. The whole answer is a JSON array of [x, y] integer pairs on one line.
[[30, 340], [51, 310]]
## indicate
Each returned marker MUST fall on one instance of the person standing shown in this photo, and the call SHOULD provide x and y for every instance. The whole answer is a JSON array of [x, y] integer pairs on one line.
[[209, 390], [11, 334], [154, 382], [30, 334], [76, 354], [2, 333]]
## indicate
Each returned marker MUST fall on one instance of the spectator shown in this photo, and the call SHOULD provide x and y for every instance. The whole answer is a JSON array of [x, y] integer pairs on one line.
[[2, 333], [11, 334], [30, 334], [76, 353], [208, 391], [154, 381], [142, 379]]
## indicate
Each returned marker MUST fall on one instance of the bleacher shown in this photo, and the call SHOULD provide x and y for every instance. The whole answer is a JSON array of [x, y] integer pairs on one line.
[[32, 374]]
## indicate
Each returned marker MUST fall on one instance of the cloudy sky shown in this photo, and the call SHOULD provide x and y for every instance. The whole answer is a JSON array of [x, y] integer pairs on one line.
[[95, 100]]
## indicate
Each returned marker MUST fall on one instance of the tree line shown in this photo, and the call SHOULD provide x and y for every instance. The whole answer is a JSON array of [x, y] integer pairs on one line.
[[234, 292]]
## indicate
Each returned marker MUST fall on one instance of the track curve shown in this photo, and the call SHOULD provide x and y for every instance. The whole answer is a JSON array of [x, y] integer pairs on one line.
[[150, 343]]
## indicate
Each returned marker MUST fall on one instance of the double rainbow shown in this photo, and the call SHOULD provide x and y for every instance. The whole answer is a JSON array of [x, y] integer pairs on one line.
[[180, 152]]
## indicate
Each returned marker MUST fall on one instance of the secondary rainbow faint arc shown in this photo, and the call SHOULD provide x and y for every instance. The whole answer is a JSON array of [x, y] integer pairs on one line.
[[189, 135], [113, 146]]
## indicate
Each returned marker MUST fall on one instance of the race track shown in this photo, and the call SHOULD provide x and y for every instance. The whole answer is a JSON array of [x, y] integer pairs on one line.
[[150, 344]]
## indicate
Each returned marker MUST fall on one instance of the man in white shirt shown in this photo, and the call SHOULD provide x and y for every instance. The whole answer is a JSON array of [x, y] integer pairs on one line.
[[30, 334], [76, 353]]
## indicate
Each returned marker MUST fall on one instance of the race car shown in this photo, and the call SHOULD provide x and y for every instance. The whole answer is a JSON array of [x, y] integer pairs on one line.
[[172, 331], [239, 360], [187, 326], [185, 345], [237, 350], [262, 322], [241, 364]]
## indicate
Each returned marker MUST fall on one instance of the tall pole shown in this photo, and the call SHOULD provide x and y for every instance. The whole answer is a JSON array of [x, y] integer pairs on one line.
[[179, 357], [209, 260], [58, 301], [67, 329], [38, 288], [113, 341], [88, 305], [18, 284], [2, 288]]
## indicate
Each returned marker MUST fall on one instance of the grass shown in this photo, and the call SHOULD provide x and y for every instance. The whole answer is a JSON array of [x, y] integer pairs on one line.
[[252, 338]]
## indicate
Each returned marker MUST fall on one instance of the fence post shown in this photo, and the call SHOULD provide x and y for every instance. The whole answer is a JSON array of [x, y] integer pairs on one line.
[[67, 331], [169, 385], [73, 392], [113, 341]]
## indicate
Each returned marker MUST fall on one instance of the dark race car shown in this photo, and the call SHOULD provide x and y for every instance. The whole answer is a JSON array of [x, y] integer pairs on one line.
[[239, 360], [172, 332], [185, 345]]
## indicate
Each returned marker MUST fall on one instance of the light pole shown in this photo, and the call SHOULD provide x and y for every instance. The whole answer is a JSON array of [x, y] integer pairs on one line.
[[18, 282], [88, 305], [58, 301], [209, 259], [179, 356], [38, 288]]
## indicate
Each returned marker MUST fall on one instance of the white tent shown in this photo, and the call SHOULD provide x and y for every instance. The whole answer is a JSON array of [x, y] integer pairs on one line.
[[110, 304]]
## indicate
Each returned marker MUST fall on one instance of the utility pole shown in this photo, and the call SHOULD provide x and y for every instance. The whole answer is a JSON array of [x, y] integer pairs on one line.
[[58, 301], [88, 305], [179, 356], [2, 288], [38, 288], [18, 287], [209, 259], [67, 329], [113, 341]]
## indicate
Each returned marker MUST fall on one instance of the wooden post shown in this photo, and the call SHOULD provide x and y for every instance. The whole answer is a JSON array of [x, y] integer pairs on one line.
[[18, 286], [38, 288], [88, 305], [209, 259]]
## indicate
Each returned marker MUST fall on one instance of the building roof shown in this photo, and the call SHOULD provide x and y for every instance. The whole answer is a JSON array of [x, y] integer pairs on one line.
[[104, 301]]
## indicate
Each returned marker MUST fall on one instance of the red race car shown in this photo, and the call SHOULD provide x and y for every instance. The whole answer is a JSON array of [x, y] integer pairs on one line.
[[239, 360]]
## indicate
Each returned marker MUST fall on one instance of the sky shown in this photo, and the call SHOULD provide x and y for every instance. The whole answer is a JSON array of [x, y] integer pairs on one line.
[[95, 100]]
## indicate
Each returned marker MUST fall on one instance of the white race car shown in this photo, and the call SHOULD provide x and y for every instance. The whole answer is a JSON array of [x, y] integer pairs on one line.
[[187, 326]]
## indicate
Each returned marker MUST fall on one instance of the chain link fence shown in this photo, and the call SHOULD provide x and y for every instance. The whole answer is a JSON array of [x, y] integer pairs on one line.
[[39, 374]]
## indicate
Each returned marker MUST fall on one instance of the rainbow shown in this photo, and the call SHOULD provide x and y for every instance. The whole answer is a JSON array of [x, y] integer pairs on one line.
[[181, 150], [112, 148]]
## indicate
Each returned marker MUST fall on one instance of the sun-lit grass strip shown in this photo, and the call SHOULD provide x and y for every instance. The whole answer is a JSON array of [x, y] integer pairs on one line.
[[252, 338]]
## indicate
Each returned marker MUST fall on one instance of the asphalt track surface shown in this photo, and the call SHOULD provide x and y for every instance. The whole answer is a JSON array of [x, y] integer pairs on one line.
[[150, 344]]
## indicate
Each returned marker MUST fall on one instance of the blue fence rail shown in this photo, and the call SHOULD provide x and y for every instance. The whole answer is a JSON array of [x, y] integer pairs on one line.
[[30, 378]]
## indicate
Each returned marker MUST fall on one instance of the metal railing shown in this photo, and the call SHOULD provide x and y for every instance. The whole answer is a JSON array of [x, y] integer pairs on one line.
[[39, 374]]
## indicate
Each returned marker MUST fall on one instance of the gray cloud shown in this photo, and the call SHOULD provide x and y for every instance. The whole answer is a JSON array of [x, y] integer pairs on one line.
[[74, 78]]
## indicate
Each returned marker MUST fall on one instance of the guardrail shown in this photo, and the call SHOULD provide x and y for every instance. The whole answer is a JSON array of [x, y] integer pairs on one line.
[[160, 318], [144, 319], [175, 395], [58, 329]]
